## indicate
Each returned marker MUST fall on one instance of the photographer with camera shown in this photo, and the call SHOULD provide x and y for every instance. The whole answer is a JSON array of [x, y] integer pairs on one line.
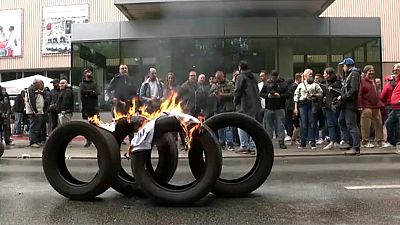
[[275, 92], [307, 93]]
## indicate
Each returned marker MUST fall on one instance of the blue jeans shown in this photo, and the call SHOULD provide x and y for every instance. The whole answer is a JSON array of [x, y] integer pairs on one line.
[[246, 142], [349, 130], [34, 129], [307, 124], [392, 123], [333, 126], [225, 136], [18, 123], [275, 119]]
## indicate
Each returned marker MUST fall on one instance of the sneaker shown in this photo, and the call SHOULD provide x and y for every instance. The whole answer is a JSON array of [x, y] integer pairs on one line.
[[327, 139], [288, 138], [352, 152], [231, 148], [387, 145], [282, 145], [320, 141], [330, 146], [367, 145], [35, 145], [313, 146], [344, 145], [301, 146]]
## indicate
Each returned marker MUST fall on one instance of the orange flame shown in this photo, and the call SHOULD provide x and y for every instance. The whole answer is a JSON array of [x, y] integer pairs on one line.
[[168, 105]]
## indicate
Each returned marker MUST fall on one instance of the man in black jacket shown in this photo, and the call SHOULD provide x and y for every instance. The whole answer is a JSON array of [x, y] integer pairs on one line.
[[89, 96], [65, 102], [122, 90], [18, 109], [275, 92], [349, 129], [246, 99], [53, 114], [191, 95]]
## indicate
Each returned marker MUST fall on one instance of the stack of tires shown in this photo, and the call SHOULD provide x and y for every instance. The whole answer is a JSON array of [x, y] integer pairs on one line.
[[205, 161]]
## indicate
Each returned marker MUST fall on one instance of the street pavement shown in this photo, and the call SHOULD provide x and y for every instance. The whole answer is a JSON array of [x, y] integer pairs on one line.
[[76, 150], [300, 190]]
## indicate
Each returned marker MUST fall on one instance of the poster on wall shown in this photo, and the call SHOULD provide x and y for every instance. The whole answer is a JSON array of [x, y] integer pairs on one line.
[[10, 33], [57, 24]]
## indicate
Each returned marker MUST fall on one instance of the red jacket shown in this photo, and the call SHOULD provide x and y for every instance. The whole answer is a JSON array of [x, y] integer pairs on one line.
[[386, 94], [396, 95], [368, 95]]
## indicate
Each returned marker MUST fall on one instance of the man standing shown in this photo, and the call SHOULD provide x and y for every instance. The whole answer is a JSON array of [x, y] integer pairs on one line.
[[53, 114], [151, 91], [190, 94], [65, 102], [246, 100], [222, 93], [121, 90], [18, 109], [34, 104], [275, 92], [392, 121], [89, 97], [349, 129]]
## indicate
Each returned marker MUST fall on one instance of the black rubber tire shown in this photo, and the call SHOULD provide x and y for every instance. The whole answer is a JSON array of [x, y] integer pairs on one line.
[[261, 169], [1, 149], [168, 194], [56, 171], [166, 166]]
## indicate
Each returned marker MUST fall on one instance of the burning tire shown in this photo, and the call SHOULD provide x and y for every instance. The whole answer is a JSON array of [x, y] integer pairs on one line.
[[57, 173], [1, 149], [185, 194], [264, 157], [167, 163]]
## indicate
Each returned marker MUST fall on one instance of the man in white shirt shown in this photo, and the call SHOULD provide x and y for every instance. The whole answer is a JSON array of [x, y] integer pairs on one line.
[[151, 91]]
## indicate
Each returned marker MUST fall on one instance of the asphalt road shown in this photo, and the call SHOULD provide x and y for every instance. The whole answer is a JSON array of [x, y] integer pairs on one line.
[[300, 190]]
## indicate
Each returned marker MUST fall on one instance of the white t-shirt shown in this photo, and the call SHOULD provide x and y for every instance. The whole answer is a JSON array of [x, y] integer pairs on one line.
[[260, 87], [153, 88]]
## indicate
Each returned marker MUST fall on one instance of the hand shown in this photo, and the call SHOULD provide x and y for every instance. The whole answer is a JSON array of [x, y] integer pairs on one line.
[[295, 112], [270, 95], [115, 100], [360, 109], [330, 88], [277, 95], [339, 97]]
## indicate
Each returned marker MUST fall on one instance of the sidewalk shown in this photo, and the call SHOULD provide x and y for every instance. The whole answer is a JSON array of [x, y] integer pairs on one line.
[[77, 151]]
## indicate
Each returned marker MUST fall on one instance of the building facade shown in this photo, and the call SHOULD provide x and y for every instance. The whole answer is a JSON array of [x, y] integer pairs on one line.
[[39, 23]]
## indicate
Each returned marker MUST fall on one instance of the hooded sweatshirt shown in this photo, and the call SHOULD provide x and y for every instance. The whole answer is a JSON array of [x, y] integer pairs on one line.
[[246, 97]]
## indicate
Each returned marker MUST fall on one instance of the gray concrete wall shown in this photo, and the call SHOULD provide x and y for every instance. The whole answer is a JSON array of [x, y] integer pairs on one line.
[[227, 27]]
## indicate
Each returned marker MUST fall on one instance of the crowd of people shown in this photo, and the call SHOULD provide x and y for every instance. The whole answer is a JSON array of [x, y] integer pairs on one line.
[[348, 111]]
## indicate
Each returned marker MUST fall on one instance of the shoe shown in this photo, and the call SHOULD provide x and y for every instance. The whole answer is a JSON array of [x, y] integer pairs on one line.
[[301, 146], [88, 143], [242, 151], [330, 146], [10, 144], [344, 145], [367, 145], [35, 145], [352, 152], [282, 145], [313, 146], [387, 145], [288, 138], [327, 139], [231, 148], [320, 141]]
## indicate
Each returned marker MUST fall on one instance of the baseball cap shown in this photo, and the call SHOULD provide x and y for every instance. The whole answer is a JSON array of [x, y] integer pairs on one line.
[[347, 61], [55, 81]]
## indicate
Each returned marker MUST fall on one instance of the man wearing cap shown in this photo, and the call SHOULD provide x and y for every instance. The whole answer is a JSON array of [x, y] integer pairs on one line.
[[349, 129], [89, 96], [53, 114]]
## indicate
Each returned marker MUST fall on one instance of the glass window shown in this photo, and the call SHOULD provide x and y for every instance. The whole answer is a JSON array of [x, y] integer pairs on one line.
[[314, 51], [7, 76], [28, 74], [58, 74]]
